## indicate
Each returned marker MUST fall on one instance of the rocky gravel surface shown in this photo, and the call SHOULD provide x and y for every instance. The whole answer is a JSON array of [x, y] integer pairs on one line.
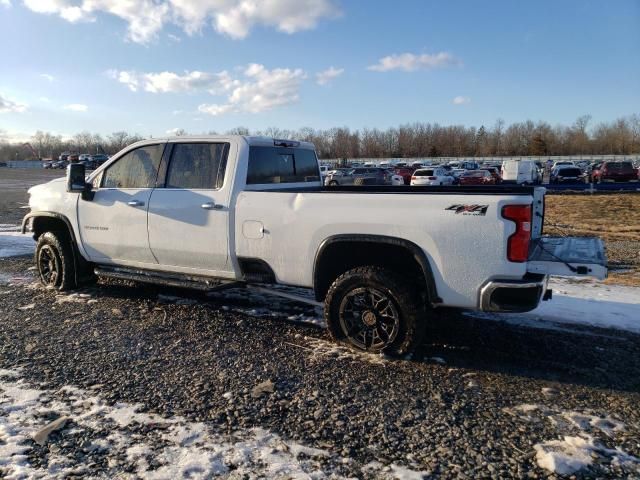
[[478, 399]]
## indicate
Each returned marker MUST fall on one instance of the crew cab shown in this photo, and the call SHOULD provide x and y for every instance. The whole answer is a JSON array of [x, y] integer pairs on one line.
[[217, 211]]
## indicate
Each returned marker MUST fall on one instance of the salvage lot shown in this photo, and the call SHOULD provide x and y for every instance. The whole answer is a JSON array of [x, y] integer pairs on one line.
[[165, 383]]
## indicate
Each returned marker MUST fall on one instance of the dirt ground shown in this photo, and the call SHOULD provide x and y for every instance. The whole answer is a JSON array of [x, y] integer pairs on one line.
[[613, 217]]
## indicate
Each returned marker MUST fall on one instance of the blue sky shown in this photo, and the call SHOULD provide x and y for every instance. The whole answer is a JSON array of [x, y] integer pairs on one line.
[[150, 66]]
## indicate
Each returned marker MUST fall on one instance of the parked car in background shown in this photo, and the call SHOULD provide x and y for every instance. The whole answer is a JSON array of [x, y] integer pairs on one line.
[[84, 156], [495, 173], [405, 173], [360, 176], [477, 177], [99, 158], [455, 173], [60, 164], [73, 158], [566, 174], [562, 163], [47, 165], [63, 156], [615, 172], [431, 176], [520, 172]]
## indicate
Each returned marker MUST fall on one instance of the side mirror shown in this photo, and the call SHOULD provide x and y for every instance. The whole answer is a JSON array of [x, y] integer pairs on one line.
[[76, 181]]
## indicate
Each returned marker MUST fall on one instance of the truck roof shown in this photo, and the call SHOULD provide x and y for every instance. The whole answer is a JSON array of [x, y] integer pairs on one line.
[[252, 140]]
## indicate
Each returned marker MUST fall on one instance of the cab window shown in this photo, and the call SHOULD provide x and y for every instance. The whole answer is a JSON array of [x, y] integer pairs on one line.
[[281, 165], [197, 165], [136, 169]]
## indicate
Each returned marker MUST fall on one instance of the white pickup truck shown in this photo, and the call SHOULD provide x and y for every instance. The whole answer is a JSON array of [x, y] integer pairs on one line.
[[213, 211]]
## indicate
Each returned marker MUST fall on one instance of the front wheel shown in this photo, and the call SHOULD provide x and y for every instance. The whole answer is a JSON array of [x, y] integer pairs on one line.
[[376, 310], [54, 260]]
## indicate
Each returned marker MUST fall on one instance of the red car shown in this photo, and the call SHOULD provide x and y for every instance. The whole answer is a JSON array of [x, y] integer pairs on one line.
[[615, 172], [477, 177], [405, 173]]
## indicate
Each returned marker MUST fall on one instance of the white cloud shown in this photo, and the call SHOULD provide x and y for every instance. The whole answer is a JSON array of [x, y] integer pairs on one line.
[[170, 82], [45, 99], [235, 18], [48, 77], [76, 107], [5, 3], [326, 76], [261, 90], [175, 38], [410, 62], [257, 90], [460, 100], [11, 106]]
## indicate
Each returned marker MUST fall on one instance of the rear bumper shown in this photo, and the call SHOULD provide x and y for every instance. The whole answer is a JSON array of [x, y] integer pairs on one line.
[[513, 295]]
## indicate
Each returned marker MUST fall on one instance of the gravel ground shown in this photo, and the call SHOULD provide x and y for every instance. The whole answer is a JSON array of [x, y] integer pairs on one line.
[[478, 398]]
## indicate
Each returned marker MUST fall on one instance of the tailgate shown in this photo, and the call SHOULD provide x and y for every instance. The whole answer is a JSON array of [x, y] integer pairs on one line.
[[568, 257]]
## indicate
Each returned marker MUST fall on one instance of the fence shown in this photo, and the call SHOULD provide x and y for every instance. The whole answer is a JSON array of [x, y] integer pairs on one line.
[[24, 164]]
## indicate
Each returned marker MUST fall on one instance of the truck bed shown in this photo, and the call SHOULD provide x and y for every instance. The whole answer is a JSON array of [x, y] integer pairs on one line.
[[407, 189]]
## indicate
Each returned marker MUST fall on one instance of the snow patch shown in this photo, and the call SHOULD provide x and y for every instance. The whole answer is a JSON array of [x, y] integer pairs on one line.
[[163, 448], [13, 244], [572, 454]]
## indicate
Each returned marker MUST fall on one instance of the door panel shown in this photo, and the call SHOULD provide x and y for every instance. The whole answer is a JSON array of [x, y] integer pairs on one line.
[[113, 229], [189, 228], [188, 219], [113, 225]]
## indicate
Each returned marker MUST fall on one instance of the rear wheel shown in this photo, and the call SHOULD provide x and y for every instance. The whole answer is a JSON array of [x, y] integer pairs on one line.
[[376, 310], [333, 183], [54, 260]]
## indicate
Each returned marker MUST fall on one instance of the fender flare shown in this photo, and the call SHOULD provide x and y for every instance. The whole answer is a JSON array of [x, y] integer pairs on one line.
[[418, 254]]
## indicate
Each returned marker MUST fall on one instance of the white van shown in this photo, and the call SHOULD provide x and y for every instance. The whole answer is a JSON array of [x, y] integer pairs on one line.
[[520, 172]]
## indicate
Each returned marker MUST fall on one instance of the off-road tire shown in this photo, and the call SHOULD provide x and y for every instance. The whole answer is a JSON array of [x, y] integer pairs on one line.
[[406, 300], [56, 246]]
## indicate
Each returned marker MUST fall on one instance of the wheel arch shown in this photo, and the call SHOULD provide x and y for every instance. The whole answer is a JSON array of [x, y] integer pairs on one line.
[[41, 222], [340, 253]]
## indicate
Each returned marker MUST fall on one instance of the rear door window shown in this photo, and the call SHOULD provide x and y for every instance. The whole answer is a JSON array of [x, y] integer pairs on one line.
[[197, 166], [136, 169], [281, 165]]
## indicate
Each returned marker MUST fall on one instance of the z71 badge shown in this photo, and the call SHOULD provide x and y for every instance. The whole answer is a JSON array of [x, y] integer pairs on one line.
[[469, 209]]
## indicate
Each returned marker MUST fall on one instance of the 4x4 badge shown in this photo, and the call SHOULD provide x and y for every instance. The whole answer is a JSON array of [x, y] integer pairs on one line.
[[469, 209]]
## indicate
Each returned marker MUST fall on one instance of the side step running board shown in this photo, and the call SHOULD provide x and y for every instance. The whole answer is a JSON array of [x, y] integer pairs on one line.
[[157, 278]]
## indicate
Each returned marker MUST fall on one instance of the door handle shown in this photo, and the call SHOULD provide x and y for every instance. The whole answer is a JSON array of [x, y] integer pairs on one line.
[[135, 203], [211, 206]]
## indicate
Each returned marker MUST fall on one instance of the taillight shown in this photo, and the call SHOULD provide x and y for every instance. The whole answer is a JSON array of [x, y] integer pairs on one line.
[[518, 242], [413, 178]]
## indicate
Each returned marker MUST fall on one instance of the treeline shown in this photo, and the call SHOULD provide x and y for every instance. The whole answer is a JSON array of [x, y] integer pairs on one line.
[[619, 137]]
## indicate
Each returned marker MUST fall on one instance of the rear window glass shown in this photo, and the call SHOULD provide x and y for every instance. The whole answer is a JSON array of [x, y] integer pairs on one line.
[[281, 165], [619, 166], [475, 174], [570, 172], [423, 173]]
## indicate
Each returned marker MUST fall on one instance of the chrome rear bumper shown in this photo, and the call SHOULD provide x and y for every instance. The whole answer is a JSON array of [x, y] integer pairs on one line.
[[512, 295]]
